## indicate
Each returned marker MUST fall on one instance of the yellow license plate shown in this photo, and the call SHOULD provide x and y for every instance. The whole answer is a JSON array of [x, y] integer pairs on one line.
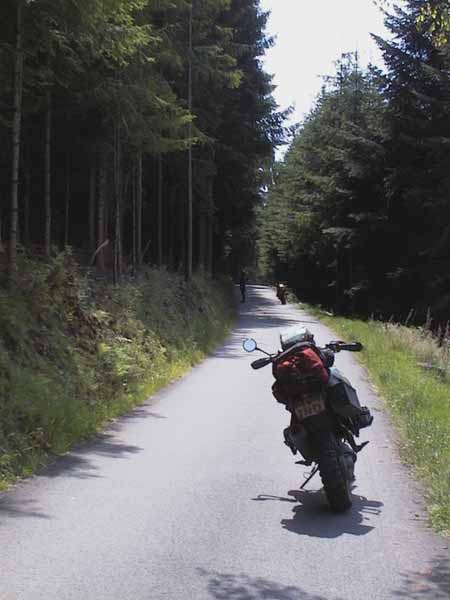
[[310, 405]]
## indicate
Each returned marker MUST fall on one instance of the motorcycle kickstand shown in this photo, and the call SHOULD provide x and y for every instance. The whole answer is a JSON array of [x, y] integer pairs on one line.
[[310, 476]]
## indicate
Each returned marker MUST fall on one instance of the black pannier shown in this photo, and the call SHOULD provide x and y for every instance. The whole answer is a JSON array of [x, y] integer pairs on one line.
[[342, 396], [344, 400]]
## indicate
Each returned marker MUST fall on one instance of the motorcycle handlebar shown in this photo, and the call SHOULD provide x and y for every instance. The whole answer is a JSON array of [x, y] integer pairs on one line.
[[338, 346], [261, 362], [334, 346]]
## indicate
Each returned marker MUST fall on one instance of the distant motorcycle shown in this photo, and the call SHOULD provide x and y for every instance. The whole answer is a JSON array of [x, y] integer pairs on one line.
[[324, 407], [281, 293]]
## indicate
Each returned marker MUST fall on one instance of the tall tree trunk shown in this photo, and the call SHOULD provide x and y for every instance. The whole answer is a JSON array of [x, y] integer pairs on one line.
[[189, 207], [122, 194], [17, 123], [27, 194], [67, 211], [47, 187], [117, 194], [338, 278], [210, 229], [116, 212], [160, 211], [210, 259], [92, 186], [101, 210], [139, 210], [2, 249], [182, 235], [172, 223], [26, 206], [202, 238], [133, 217]]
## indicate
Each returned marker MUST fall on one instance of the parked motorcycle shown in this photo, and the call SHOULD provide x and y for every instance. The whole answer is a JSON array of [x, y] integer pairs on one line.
[[281, 293], [326, 415]]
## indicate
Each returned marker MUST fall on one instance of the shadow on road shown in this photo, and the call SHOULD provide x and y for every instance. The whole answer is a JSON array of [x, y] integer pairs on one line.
[[432, 583], [259, 312], [314, 518], [140, 413], [76, 464], [12, 508], [226, 586]]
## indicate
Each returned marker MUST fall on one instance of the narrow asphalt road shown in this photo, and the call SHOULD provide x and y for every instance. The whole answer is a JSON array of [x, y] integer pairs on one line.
[[194, 496]]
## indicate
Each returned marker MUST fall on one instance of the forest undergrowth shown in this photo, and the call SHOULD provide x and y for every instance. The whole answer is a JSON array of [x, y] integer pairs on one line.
[[76, 352], [411, 371]]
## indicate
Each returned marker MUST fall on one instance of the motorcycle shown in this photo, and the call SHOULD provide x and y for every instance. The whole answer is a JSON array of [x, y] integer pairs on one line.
[[325, 417], [281, 293]]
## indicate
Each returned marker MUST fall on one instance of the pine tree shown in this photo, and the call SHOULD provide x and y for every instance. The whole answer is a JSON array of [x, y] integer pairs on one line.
[[326, 204], [418, 90], [105, 101]]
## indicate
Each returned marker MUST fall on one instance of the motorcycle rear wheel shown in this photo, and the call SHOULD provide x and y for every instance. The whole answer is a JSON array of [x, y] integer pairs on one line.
[[333, 473]]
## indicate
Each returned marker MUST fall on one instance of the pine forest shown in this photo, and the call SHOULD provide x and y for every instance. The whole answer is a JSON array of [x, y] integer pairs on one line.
[[357, 215], [133, 131], [144, 132]]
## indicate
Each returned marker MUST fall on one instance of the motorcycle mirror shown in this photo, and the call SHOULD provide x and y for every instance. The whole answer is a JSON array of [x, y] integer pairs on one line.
[[249, 345]]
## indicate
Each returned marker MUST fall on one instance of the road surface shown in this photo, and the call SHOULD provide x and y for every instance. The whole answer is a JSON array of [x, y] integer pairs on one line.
[[194, 496]]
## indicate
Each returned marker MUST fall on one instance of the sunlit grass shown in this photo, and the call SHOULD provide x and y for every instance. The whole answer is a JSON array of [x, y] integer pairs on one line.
[[418, 398]]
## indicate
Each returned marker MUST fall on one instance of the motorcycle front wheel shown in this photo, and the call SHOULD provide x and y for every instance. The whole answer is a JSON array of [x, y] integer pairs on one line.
[[333, 472]]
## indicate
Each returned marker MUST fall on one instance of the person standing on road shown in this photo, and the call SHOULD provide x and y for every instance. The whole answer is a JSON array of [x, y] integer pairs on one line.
[[243, 284]]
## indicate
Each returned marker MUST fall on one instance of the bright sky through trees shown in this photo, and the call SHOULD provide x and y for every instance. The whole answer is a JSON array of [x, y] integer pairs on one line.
[[310, 36]]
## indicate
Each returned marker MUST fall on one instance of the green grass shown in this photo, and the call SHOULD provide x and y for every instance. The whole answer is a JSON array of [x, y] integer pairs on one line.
[[418, 399], [74, 354]]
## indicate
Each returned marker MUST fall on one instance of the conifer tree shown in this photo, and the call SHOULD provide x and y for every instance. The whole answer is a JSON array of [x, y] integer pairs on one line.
[[326, 204], [106, 84], [418, 91]]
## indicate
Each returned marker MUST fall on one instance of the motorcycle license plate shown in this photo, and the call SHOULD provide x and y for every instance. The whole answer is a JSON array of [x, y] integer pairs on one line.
[[310, 405]]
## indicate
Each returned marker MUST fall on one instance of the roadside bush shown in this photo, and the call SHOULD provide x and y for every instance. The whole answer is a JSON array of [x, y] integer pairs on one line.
[[75, 352]]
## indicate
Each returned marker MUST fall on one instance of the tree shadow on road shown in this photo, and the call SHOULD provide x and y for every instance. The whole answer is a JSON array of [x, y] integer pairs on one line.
[[227, 586], [232, 348], [432, 583], [259, 312], [268, 318], [313, 516], [78, 463], [12, 508], [140, 413]]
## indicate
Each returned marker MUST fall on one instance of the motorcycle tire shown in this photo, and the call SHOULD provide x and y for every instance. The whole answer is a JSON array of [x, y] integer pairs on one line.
[[283, 300], [333, 473]]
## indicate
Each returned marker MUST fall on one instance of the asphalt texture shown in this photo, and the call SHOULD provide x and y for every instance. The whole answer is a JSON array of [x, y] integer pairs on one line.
[[194, 496]]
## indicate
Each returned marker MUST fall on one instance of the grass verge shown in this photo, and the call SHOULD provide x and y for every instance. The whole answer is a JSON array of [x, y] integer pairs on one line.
[[418, 398], [75, 353]]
